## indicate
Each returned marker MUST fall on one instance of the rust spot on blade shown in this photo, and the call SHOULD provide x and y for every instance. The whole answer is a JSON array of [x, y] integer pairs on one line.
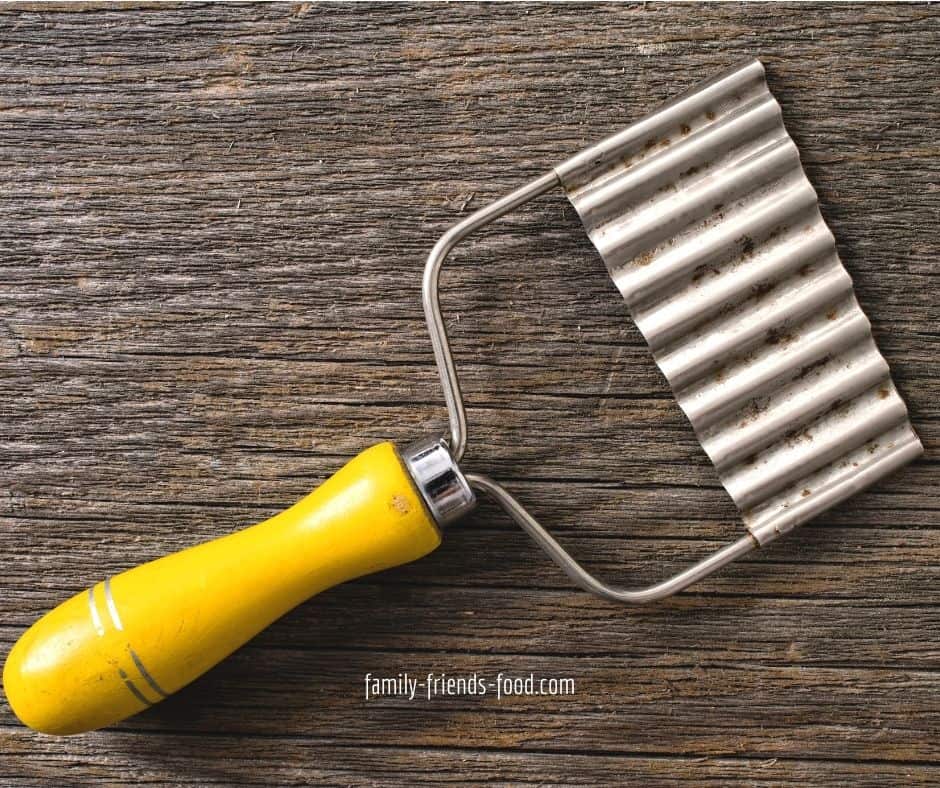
[[779, 337]]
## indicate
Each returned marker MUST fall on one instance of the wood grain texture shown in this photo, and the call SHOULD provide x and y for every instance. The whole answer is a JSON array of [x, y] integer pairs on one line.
[[212, 226]]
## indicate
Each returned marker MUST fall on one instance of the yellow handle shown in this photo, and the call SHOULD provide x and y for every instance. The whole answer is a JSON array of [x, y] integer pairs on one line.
[[130, 641]]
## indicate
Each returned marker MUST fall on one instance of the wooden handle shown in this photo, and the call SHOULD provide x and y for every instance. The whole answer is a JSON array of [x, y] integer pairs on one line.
[[130, 641]]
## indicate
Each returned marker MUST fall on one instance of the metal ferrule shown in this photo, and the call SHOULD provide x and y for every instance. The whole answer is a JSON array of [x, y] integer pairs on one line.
[[441, 483]]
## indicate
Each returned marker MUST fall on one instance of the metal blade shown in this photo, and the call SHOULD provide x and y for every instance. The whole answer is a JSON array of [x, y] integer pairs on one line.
[[712, 233]]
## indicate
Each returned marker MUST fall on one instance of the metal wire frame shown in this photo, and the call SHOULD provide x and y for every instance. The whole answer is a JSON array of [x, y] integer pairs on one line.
[[458, 420]]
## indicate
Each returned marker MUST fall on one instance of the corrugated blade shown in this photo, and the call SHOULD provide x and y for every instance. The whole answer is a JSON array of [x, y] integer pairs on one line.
[[711, 231]]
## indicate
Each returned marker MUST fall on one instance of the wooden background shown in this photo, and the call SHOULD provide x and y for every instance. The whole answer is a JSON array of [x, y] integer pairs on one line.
[[213, 221]]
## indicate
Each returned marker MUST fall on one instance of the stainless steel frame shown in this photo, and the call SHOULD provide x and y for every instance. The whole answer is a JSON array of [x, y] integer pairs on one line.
[[458, 420]]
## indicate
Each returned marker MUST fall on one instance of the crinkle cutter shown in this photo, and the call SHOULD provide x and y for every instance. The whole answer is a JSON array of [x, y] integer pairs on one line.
[[709, 228]]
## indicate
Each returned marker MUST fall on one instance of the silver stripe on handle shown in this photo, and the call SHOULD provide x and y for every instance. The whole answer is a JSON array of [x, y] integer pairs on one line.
[[95, 618], [146, 674], [112, 608], [133, 688]]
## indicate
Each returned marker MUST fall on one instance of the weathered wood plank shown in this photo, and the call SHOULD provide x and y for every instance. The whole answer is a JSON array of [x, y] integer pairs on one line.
[[724, 710], [226, 760], [212, 224]]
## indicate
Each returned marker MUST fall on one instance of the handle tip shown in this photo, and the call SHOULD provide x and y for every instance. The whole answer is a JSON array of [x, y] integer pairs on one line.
[[66, 674]]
